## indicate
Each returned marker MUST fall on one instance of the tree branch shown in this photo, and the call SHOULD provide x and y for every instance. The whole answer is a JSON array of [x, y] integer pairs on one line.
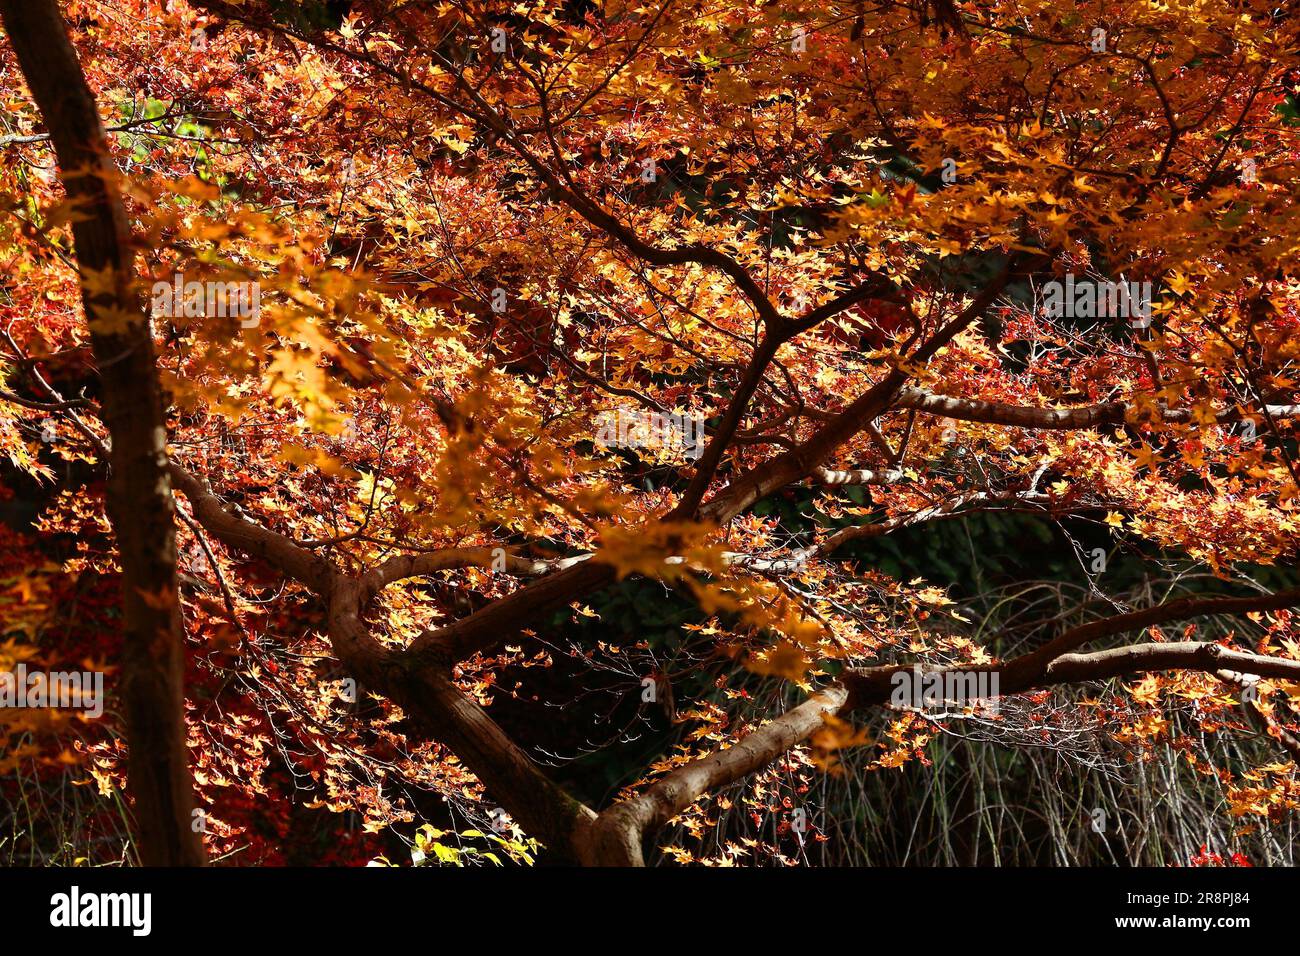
[[1084, 416], [139, 500], [616, 836], [618, 833]]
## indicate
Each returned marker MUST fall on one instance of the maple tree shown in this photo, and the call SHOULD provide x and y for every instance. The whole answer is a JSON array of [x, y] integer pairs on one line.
[[868, 246]]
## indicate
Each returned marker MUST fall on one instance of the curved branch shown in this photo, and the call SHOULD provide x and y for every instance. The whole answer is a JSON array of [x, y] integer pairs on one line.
[[1036, 662], [444, 714], [447, 559], [1141, 658], [248, 536], [1084, 416], [858, 476], [616, 836], [797, 463], [505, 616]]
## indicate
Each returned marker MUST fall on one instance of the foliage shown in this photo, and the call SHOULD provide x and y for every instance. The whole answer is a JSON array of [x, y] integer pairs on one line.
[[823, 230]]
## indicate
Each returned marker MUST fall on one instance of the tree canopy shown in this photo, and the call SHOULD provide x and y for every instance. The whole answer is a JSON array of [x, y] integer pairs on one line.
[[515, 363]]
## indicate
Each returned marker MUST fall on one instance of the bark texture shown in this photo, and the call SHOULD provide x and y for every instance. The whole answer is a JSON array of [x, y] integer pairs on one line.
[[140, 504]]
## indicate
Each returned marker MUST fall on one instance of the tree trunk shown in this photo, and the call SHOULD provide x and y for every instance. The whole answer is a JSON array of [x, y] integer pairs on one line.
[[139, 491]]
